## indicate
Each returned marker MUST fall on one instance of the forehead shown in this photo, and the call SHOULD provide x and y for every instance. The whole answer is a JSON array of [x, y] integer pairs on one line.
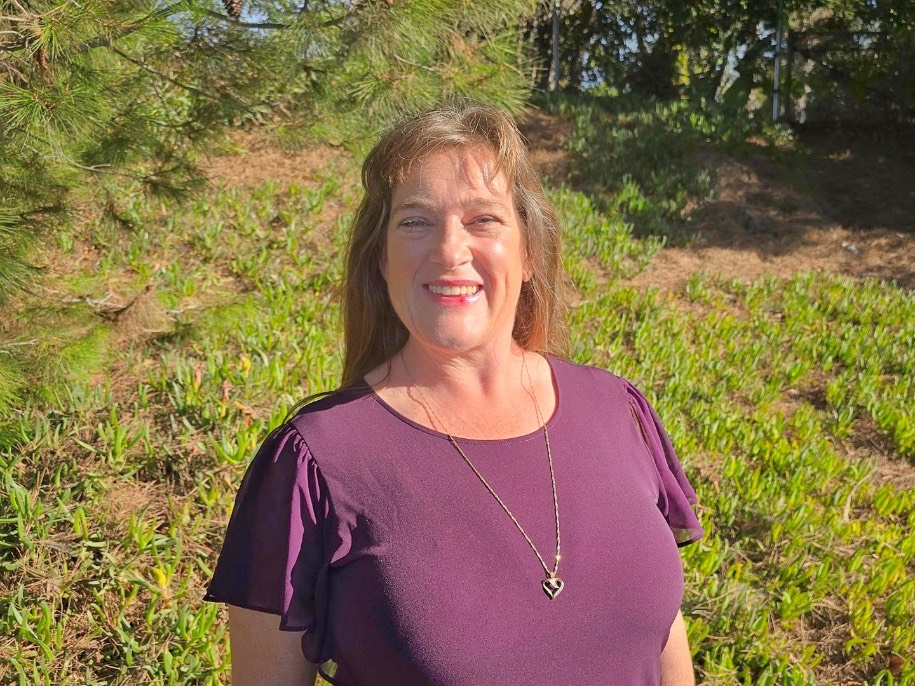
[[477, 167]]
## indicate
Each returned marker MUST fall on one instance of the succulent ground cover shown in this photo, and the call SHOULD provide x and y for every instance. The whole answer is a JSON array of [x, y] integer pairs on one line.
[[791, 401]]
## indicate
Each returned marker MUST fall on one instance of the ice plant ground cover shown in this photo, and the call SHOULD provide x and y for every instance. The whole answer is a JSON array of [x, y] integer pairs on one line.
[[791, 403]]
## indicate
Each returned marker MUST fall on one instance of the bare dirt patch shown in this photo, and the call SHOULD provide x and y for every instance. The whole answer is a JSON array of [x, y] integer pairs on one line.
[[254, 159], [757, 223], [841, 202], [125, 498], [546, 136]]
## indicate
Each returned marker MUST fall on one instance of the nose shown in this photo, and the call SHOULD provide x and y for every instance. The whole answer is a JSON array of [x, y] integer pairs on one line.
[[451, 247]]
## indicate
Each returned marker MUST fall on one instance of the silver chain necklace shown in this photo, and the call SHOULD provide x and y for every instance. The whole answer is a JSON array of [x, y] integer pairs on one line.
[[552, 584]]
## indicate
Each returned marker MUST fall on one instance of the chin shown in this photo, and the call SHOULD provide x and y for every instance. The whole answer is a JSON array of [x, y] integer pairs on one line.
[[448, 341], [454, 345]]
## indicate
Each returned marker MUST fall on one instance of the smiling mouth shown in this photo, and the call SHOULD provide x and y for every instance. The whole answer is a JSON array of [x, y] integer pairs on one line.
[[454, 290]]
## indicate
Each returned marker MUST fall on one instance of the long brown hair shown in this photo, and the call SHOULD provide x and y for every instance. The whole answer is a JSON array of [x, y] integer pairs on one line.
[[372, 331]]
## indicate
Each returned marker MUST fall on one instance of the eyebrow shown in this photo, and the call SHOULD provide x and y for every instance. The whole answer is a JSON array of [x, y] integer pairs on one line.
[[422, 202]]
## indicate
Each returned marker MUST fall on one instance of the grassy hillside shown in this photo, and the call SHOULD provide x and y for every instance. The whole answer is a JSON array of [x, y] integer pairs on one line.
[[790, 399]]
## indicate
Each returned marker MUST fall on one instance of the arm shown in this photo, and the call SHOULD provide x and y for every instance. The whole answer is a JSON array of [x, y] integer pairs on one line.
[[676, 661], [262, 655]]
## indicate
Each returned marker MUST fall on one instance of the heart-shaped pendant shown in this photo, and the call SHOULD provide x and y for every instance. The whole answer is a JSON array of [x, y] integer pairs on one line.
[[552, 586]]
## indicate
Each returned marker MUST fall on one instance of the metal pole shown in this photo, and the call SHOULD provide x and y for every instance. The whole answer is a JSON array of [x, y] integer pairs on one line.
[[778, 63], [554, 68], [789, 75]]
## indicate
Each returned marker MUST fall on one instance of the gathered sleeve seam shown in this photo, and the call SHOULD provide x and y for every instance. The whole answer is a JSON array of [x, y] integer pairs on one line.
[[223, 586], [676, 496]]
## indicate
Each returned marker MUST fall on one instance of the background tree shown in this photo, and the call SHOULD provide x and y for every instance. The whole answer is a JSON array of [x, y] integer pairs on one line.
[[846, 58], [102, 100]]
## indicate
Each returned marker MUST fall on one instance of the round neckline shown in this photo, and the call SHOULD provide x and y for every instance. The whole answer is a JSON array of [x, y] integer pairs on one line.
[[550, 423]]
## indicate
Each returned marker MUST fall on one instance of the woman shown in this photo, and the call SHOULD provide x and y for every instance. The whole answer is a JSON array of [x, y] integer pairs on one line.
[[470, 508]]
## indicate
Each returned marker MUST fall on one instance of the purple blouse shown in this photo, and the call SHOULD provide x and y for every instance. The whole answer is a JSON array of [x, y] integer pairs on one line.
[[368, 532]]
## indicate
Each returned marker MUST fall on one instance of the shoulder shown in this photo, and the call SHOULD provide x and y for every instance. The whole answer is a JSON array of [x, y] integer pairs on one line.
[[290, 442], [336, 428], [591, 377], [586, 378], [295, 453], [594, 387], [324, 408], [342, 405]]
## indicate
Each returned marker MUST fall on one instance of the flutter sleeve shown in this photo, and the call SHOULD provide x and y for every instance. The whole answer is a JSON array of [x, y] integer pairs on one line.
[[273, 555], [676, 496]]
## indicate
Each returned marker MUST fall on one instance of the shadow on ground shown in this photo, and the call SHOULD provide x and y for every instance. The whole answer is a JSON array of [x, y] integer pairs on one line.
[[734, 200]]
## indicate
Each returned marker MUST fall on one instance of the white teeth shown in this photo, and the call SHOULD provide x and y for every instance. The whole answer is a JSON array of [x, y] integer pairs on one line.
[[454, 290]]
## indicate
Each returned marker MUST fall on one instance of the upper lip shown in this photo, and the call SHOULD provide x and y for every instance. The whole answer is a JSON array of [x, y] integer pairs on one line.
[[455, 282]]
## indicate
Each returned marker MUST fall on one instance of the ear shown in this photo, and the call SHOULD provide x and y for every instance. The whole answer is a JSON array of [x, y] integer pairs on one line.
[[526, 274], [383, 263]]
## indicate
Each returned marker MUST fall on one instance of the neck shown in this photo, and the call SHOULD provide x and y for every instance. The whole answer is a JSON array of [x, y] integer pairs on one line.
[[486, 396], [475, 377]]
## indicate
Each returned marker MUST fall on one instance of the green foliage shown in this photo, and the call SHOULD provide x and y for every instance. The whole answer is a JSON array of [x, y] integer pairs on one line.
[[106, 102], [10, 382], [789, 400], [855, 61], [641, 159], [770, 387], [604, 241], [129, 91], [14, 271], [115, 498], [846, 60]]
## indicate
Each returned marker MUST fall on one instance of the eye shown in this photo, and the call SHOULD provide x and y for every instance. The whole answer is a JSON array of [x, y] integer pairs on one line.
[[486, 219], [413, 224]]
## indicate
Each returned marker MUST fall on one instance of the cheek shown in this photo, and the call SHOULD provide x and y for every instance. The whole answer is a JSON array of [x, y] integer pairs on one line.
[[402, 260], [513, 261], [384, 262]]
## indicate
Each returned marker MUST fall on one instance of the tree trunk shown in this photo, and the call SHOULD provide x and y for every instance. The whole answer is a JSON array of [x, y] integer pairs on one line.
[[554, 69]]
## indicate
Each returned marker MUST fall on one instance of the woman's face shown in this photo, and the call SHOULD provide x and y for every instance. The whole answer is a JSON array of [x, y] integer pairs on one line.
[[454, 261]]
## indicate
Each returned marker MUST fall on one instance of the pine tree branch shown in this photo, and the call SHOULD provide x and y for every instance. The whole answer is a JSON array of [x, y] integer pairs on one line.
[[336, 21], [192, 89], [431, 70], [164, 13], [108, 41], [19, 5], [246, 24], [10, 69], [159, 177], [44, 209], [4, 347], [14, 45], [22, 10], [95, 169], [165, 77]]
